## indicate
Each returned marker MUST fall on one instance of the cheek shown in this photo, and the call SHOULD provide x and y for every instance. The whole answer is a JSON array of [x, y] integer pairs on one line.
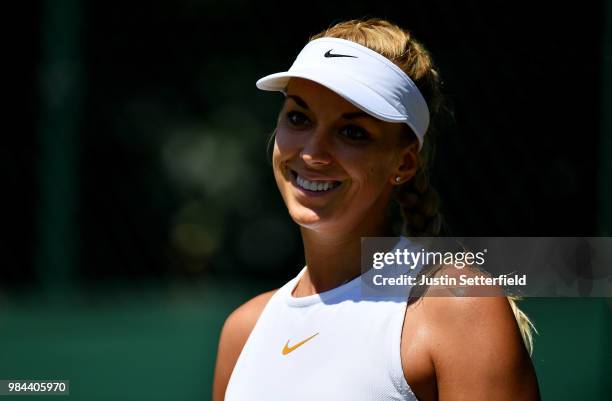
[[277, 159], [371, 169], [280, 150], [285, 143], [375, 176], [285, 148]]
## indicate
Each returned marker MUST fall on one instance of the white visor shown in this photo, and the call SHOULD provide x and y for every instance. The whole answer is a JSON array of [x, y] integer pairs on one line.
[[360, 75]]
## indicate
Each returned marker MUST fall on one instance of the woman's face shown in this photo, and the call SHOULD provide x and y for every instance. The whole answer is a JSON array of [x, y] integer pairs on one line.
[[335, 165]]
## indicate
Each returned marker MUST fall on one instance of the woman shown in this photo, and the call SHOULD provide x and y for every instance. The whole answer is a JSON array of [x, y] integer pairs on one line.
[[351, 140]]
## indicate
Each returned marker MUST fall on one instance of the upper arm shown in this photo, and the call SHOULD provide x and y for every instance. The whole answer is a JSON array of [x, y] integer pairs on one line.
[[477, 350], [235, 332]]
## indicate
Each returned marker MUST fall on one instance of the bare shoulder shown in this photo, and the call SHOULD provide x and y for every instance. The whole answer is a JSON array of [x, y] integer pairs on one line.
[[236, 330], [471, 346], [241, 321], [477, 349], [471, 309]]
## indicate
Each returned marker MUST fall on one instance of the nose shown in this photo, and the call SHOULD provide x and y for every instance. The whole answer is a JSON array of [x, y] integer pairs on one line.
[[317, 149]]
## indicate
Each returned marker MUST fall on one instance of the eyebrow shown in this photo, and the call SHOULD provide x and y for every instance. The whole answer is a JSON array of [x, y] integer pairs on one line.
[[346, 116], [358, 114], [299, 101]]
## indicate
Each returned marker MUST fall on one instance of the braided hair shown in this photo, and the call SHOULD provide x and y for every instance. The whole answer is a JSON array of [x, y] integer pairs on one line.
[[418, 201]]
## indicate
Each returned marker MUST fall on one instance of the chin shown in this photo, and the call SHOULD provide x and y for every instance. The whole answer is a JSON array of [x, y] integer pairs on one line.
[[305, 217], [310, 220]]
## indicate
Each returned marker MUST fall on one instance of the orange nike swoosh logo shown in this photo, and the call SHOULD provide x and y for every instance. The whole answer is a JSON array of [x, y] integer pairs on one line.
[[287, 349]]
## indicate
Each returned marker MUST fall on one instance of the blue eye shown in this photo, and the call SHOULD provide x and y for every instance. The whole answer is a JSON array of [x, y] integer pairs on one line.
[[297, 119], [355, 133]]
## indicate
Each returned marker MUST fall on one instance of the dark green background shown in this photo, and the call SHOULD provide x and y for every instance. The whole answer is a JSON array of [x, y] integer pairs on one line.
[[139, 207]]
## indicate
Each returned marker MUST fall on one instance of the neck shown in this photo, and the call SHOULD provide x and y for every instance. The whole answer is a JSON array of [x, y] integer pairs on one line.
[[333, 259]]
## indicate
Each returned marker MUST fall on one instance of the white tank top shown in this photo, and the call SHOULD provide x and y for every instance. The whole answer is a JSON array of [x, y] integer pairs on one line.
[[331, 346]]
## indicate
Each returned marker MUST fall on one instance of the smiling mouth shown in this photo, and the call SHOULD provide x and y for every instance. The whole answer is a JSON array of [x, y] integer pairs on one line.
[[314, 186]]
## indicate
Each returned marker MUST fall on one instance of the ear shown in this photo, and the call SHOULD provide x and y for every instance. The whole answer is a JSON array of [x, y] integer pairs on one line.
[[407, 164]]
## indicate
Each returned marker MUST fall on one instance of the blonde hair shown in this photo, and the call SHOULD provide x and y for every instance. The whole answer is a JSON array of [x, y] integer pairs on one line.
[[418, 201]]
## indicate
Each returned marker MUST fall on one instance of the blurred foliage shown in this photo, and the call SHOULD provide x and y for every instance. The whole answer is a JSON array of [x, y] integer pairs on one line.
[[171, 145], [166, 182]]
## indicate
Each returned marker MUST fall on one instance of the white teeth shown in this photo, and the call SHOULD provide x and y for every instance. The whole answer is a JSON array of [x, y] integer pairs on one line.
[[313, 186]]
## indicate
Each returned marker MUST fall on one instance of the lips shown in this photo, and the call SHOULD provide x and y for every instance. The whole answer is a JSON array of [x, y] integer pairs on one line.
[[318, 185]]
